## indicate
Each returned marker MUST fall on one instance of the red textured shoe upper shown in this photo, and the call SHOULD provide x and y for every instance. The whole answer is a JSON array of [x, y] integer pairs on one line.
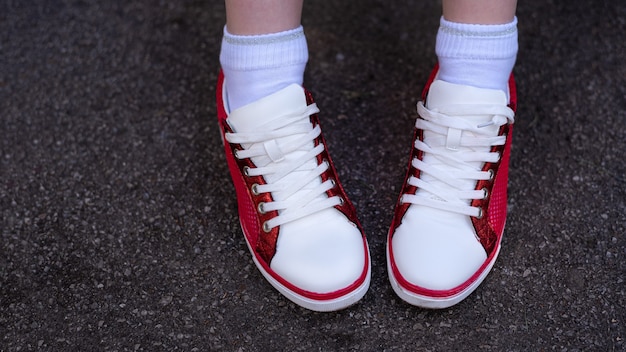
[[263, 243], [490, 226]]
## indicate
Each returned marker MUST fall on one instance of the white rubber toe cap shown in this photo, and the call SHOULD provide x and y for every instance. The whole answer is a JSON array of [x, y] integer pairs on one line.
[[435, 249], [321, 253]]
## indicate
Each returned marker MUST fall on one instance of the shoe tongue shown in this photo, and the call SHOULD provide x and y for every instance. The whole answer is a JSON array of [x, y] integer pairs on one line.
[[442, 94], [259, 115], [252, 117]]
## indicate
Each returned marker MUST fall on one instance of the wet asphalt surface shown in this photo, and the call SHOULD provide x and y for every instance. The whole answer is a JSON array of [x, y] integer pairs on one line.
[[119, 227]]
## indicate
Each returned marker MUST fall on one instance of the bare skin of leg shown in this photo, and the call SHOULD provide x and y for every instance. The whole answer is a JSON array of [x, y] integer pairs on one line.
[[251, 17], [479, 11]]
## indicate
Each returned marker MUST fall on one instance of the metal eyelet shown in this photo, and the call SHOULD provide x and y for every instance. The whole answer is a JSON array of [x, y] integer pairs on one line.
[[246, 171], [332, 182], [485, 193], [480, 213], [261, 207], [266, 227], [491, 174], [254, 189], [236, 153], [341, 201]]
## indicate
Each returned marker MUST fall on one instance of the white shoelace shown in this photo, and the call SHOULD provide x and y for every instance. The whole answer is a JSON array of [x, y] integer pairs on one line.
[[456, 145], [284, 153]]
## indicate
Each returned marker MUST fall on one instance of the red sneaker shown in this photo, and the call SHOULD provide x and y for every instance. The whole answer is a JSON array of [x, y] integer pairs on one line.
[[448, 222], [298, 223]]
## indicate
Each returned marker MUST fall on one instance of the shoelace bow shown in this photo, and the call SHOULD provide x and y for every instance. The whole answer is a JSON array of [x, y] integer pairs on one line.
[[453, 149], [276, 158]]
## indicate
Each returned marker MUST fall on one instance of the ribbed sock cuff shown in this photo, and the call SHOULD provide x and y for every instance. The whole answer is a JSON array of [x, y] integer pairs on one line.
[[477, 41], [257, 52]]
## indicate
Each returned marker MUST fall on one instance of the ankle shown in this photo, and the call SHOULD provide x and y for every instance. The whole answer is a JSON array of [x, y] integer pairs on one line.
[[258, 65], [482, 56]]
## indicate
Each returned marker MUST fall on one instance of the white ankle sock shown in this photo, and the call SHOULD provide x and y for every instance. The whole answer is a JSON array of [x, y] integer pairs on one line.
[[482, 56], [256, 66]]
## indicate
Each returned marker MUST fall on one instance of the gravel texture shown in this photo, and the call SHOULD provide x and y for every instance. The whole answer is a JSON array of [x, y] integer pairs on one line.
[[119, 227]]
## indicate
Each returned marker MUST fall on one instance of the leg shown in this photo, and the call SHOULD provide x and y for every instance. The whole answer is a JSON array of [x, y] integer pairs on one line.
[[477, 42], [297, 221], [263, 50], [479, 11], [250, 17]]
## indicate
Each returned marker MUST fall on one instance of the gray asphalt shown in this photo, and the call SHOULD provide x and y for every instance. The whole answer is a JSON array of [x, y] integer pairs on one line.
[[119, 227]]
